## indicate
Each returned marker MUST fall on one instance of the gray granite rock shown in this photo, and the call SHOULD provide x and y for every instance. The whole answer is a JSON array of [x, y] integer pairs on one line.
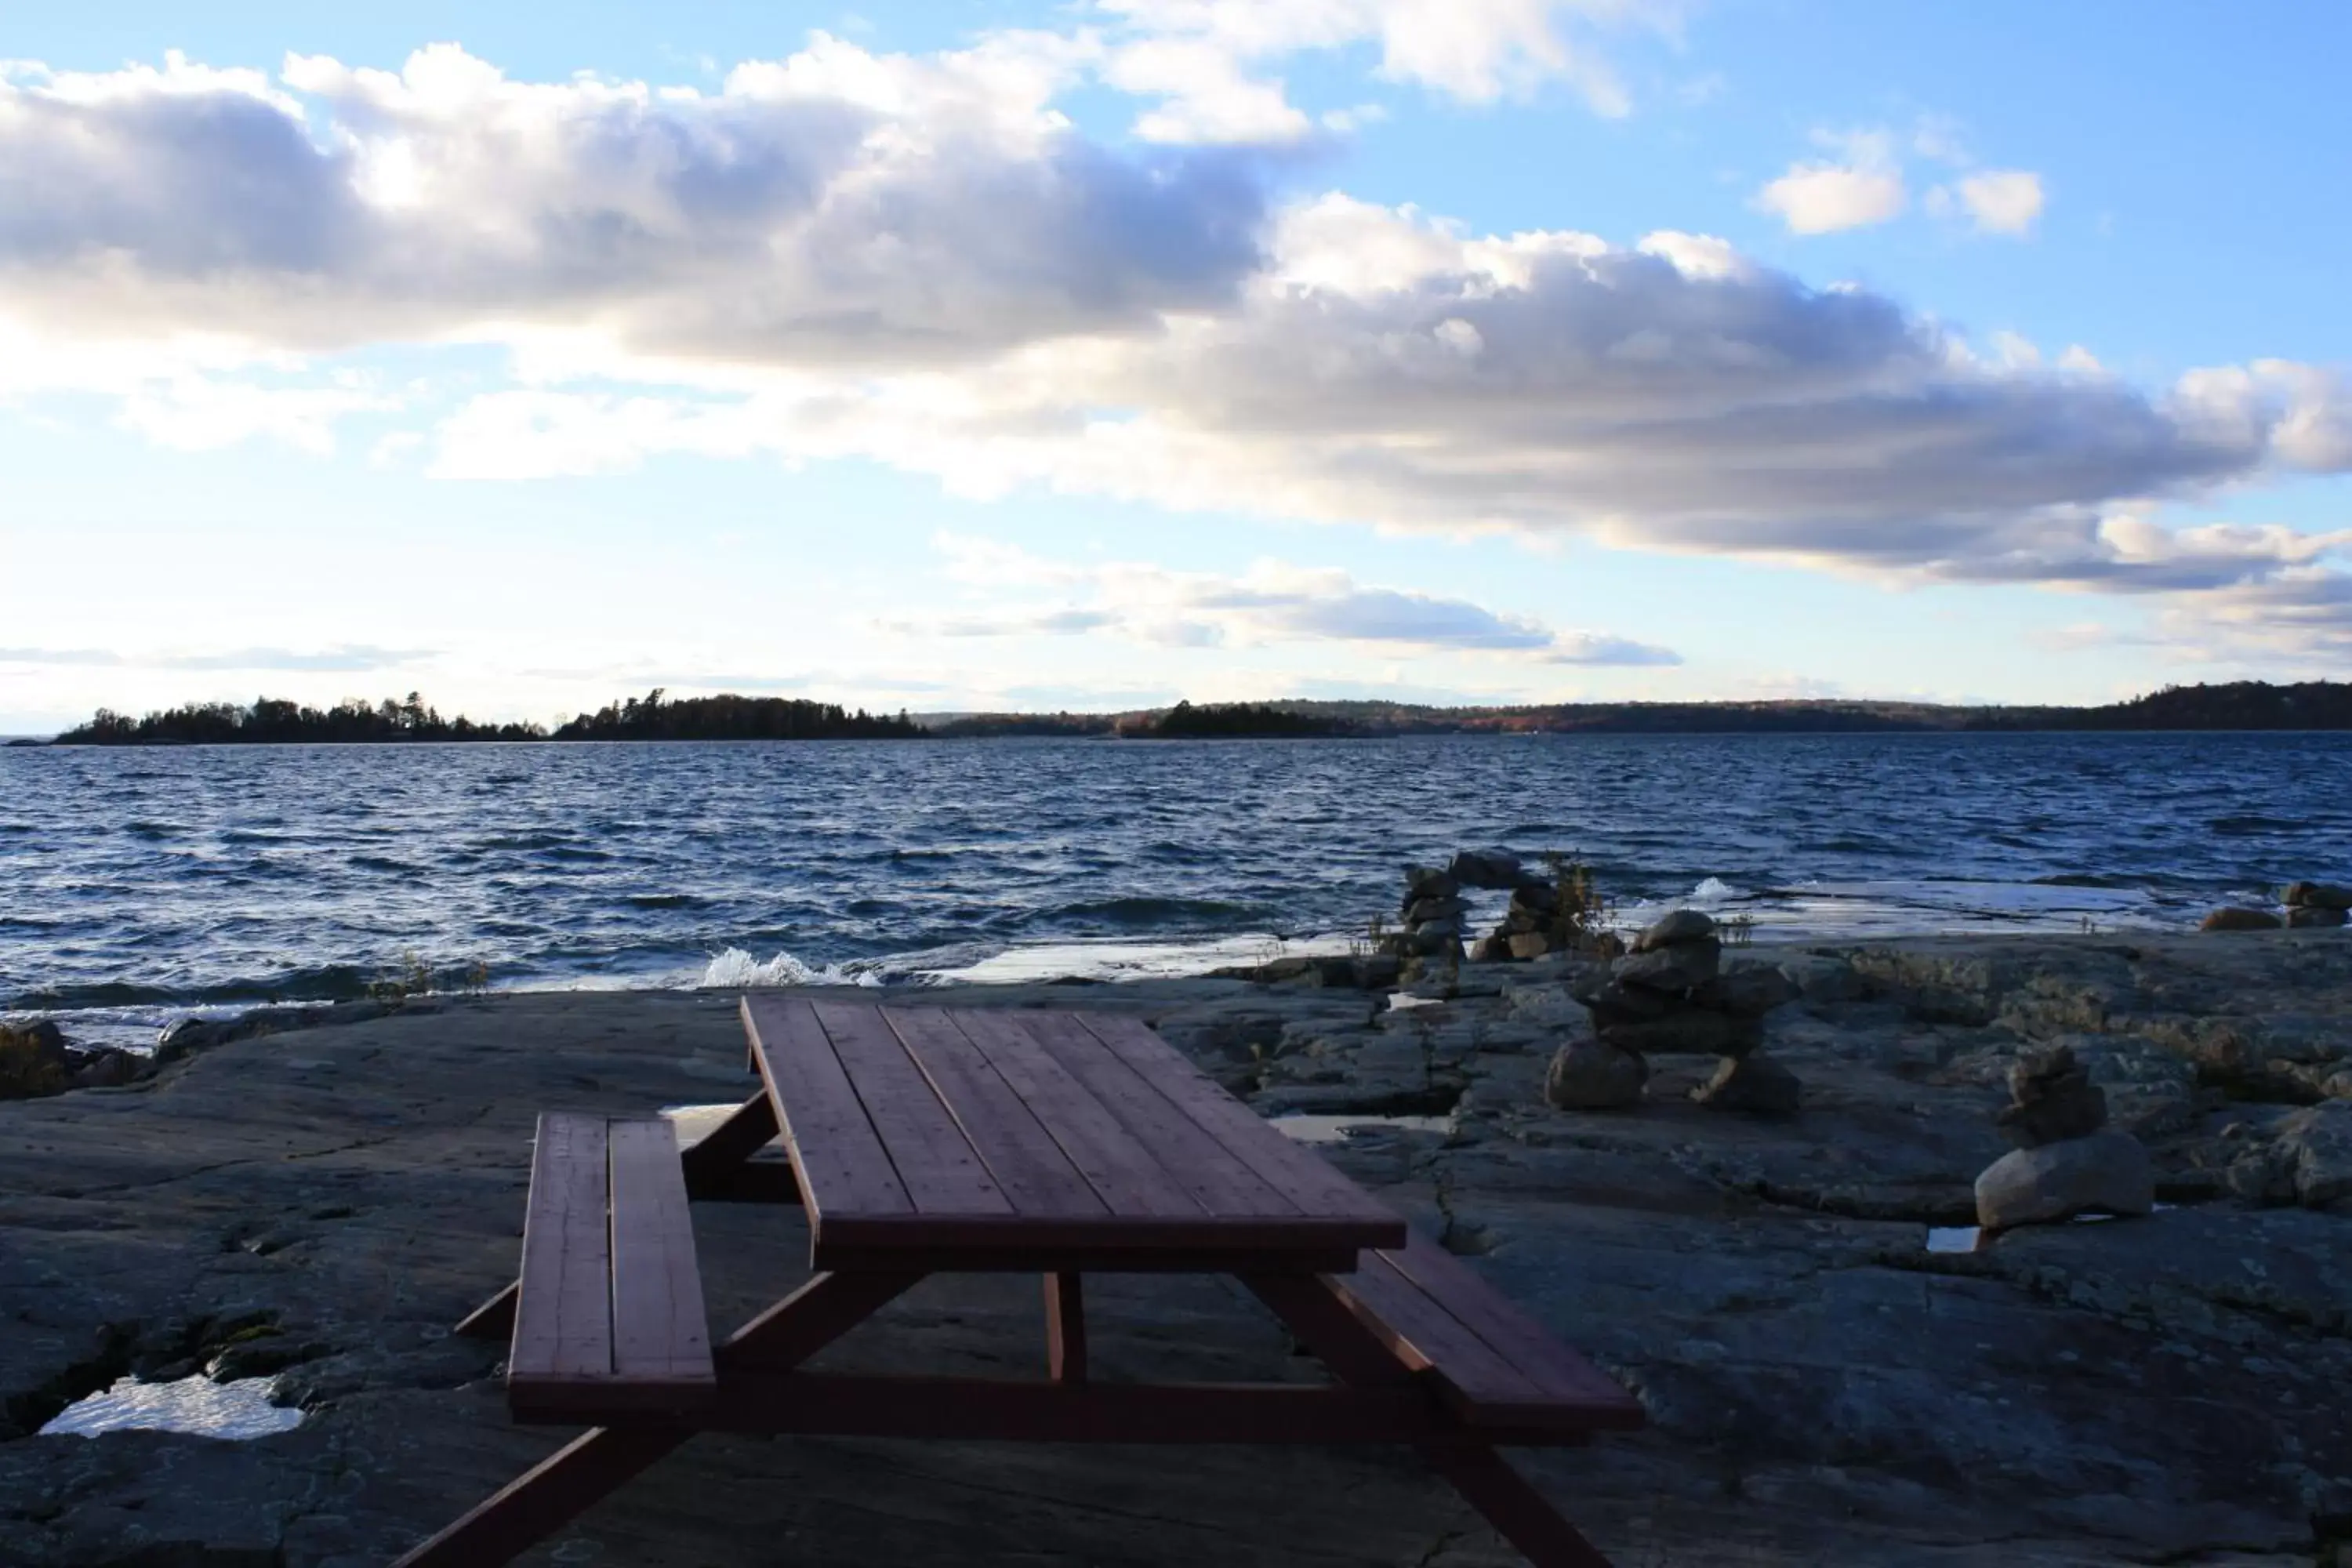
[[1671, 970], [1586, 1075], [1670, 930], [2318, 895], [2106, 1172], [1755, 1085]]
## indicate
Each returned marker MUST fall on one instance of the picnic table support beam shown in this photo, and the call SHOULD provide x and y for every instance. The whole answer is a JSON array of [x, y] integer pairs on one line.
[[555, 1491], [1520, 1514], [494, 1319], [545, 1498], [1066, 1327]]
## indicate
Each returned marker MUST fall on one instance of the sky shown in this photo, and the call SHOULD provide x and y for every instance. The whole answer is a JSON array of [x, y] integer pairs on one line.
[[1098, 353]]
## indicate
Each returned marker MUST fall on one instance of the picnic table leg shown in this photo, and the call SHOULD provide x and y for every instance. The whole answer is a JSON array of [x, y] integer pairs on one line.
[[725, 1148], [545, 1498], [1519, 1513], [1065, 1328], [549, 1494]]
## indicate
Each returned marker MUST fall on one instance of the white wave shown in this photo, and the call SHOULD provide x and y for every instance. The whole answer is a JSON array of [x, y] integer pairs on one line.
[[1715, 890], [735, 969]]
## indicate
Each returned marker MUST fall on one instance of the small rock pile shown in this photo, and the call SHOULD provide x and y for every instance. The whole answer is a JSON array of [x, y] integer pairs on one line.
[[2306, 904], [37, 1060], [1670, 995], [1431, 908], [2067, 1159], [1434, 909]]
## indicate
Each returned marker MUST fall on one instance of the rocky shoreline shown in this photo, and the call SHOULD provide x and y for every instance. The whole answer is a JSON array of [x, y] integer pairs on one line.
[[317, 1203]]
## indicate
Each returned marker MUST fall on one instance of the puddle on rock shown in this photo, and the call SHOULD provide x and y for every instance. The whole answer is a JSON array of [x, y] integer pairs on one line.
[[1953, 1237], [1334, 1129], [194, 1406]]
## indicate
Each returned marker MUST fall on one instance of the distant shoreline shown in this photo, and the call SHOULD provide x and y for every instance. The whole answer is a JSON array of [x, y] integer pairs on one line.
[[2241, 707]]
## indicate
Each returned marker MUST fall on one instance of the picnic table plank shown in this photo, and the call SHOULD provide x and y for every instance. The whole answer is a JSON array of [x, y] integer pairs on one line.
[[1503, 1324], [835, 1152], [660, 1333], [1115, 1164], [565, 1332], [942, 1173], [1306, 1178], [1204, 1167], [1030, 1167]]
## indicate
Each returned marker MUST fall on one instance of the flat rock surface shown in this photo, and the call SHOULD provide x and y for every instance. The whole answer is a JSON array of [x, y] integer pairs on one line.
[[1822, 1388]]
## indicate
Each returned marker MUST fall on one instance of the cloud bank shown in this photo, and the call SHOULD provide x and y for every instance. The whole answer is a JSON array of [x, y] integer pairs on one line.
[[920, 260]]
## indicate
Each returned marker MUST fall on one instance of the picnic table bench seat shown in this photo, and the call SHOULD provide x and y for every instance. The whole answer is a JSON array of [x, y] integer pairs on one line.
[[1499, 1369], [608, 1314]]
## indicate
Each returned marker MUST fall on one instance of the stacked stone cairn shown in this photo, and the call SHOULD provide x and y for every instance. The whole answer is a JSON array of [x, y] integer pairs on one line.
[[2067, 1161], [1434, 909], [1670, 995]]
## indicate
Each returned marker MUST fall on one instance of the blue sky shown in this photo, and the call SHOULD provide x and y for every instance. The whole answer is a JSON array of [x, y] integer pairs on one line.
[[1092, 355]]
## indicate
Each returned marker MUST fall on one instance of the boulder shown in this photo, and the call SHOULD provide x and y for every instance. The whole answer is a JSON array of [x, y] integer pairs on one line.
[[1613, 1004], [1687, 1031], [1673, 969], [1586, 1075], [2314, 1145], [1682, 926], [107, 1069], [1529, 944], [1754, 1084], [2303, 915], [1486, 868], [1748, 992], [2317, 896], [1378, 972], [33, 1060], [2234, 919], [2106, 1173], [1538, 898], [1496, 949]]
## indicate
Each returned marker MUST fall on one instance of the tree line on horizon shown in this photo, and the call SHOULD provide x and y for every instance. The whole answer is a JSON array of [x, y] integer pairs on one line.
[[2237, 705]]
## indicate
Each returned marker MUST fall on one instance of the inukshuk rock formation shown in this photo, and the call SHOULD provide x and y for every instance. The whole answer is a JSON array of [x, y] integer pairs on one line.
[[1670, 995], [2068, 1160]]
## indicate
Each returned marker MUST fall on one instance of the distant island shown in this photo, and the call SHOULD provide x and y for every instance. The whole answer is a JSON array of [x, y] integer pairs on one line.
[[271, 721], [2239, 705]]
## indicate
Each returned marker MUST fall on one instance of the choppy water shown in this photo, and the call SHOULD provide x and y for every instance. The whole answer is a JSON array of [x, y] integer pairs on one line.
[[135, 884]]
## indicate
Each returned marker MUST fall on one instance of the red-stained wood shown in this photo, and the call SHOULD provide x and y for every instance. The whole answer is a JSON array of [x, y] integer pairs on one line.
[[1000, 1254], [660, 1336], [1512, 1332], [1520, 1514], [563, 1315], [494, 1319], [747, 1129], [1201, 1165], [1113, 1161], [942, 1173], [808, 1319], [1066, 1327], [1304, 1177], [1002, 1409], [545, 1498], [1030, 1167], [1422, 1335], [836, 1155]]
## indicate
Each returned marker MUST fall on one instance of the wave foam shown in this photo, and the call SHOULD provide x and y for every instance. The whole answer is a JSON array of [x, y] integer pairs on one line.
[[735, 968]]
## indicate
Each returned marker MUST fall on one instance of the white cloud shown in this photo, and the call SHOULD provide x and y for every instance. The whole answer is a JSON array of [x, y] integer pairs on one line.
[[2001, 201], [1863, 187], [1206, 59], [919, 261], [1273, 603]]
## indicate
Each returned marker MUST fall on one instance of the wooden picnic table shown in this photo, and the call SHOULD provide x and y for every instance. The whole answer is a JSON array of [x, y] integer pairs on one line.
[[931, 1139]]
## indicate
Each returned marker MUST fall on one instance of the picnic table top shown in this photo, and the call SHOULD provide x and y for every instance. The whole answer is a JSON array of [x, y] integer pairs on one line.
[[936, 1137]]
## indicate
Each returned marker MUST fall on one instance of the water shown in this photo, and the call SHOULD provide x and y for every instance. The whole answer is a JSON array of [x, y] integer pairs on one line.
[[137, 884], [196, 1406]]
